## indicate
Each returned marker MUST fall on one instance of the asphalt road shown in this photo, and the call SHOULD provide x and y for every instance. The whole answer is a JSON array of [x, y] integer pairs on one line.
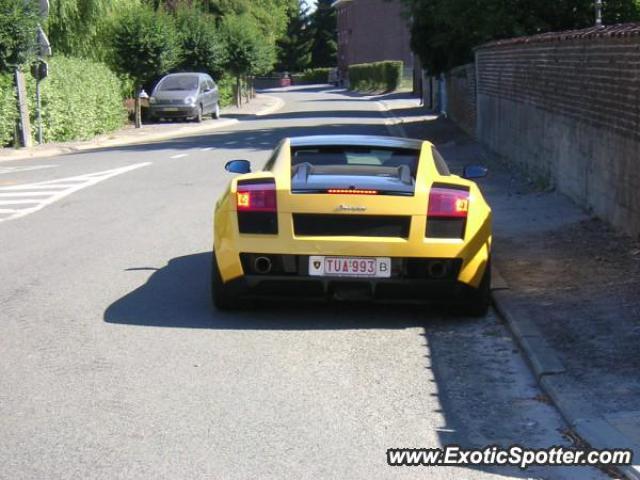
[[113, 364]]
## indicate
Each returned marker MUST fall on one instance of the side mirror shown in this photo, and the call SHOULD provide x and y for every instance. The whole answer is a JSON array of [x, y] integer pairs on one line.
[[474, 171], [238, 166]]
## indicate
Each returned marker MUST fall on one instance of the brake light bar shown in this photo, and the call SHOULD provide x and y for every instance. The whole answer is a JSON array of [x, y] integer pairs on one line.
[[349, 191], [256, 197], [448, 203]]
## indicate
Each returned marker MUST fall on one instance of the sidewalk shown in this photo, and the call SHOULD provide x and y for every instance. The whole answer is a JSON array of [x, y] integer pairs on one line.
[[572, 292], [151, 132]]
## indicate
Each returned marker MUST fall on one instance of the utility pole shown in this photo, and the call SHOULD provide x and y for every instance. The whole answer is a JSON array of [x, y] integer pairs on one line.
[[598, 13]]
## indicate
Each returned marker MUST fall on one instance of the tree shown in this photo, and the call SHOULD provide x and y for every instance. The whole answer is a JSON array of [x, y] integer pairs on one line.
[[18, 26], [294, 48], [248, 53], [144, 46], [444, 32], [74, 27], [203, 49], [325, 46]]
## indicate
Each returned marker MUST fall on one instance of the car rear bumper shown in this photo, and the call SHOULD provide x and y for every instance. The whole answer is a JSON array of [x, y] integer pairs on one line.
[[414, 280], [271, 287], [173, 111]]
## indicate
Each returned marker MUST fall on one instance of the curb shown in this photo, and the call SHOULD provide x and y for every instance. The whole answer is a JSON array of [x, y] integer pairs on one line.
[[551, 375], [97, 144]]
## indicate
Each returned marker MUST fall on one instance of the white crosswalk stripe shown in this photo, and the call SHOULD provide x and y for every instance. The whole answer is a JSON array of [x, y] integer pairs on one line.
[[16, 201]]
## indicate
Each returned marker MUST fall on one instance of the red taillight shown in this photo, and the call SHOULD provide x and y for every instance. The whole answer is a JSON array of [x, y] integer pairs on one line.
[[448, 202], [256, 197]]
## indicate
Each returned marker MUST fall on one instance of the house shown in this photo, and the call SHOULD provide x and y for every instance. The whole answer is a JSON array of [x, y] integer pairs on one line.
[[372, 31]]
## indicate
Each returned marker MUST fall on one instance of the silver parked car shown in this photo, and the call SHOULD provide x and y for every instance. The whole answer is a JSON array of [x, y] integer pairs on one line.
[[185, 95]]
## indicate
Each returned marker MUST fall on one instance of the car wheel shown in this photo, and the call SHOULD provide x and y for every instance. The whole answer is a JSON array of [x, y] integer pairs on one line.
[[221, 297], [216, 112], [478, 300], [199, 116]]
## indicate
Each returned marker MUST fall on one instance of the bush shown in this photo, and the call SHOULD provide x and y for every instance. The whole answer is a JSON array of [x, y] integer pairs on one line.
[[377, 76], [8, 110], [80, 99], [144, 44], [226, 87], [316, 75]]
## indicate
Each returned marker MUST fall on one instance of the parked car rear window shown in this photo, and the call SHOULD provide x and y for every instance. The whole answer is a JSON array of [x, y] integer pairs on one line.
[[179, 83]]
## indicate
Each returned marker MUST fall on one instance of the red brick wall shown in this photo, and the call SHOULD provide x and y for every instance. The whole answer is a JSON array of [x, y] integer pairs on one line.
[[372, 31], [566, 107], [596, 81]]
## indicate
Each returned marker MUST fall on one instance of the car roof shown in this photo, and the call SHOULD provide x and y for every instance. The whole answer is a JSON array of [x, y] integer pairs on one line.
[[356, 140], [186, 74]]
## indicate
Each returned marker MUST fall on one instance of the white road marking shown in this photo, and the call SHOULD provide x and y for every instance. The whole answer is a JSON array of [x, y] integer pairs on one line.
[[206, 149], [54, 190], [180, 155], [5, 170], [23, 194]]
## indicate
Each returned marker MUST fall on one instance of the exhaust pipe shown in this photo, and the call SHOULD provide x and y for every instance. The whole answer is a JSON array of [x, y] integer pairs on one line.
[[262, 265], [437, 269]]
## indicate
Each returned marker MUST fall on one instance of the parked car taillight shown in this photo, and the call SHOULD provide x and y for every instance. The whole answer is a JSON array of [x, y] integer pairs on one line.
[[447, 212], [257, 206]]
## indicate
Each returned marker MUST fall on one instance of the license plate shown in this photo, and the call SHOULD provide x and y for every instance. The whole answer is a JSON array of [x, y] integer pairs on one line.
[[169, 109], [377, 267]]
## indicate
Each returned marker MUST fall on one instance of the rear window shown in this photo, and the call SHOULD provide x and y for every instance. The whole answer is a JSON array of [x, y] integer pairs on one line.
[[179, 83], [345, 156]]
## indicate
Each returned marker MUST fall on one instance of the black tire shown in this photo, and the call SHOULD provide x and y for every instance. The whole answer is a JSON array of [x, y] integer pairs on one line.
[[221, 297], [200, 115], [216, 112], [478, 300]]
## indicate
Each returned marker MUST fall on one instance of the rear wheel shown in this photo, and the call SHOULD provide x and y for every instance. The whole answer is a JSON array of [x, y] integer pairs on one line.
[[216, 112], [222, 297], [478, 300]]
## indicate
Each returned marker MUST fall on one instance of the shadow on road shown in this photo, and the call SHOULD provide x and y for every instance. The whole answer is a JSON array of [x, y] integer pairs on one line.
[[178, 296]]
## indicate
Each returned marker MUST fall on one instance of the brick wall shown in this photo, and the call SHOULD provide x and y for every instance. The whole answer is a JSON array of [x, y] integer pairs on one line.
[[461, 97], [372, 31], [566, 107]]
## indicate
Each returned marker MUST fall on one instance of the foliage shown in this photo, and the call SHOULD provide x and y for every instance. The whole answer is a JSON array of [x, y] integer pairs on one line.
[[377, 76], [316, 75], [203, 50], [325, 46], [294, 48], [8, 110], [80, 99], [18, 26], [269, 15], [144, 44], [225, 91], [248, 54], [77, 27], [444, 32]]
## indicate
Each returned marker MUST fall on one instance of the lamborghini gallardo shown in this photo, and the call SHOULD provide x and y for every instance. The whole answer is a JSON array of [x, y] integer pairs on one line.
[[358, 218]]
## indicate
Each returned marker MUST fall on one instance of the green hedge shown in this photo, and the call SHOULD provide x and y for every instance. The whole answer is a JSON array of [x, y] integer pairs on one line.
[[316, 75], [8, 110], [377, 76], [226, 86], [80, 99]]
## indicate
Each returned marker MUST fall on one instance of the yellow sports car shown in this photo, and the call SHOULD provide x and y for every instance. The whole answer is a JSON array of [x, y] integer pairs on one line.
[[352, 218]]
